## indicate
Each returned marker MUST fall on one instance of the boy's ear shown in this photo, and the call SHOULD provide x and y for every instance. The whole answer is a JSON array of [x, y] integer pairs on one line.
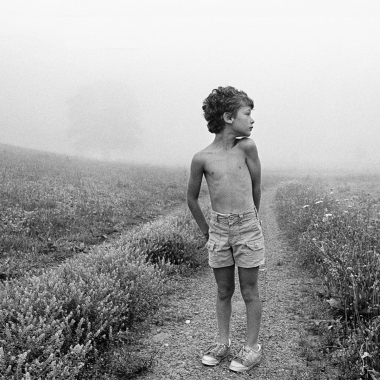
[[227, 117]]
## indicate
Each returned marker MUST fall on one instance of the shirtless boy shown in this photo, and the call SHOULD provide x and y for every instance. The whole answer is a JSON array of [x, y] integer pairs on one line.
[[232, 170]]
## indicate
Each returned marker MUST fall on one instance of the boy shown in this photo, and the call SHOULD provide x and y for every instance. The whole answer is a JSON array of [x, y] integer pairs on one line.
[[232, 170]]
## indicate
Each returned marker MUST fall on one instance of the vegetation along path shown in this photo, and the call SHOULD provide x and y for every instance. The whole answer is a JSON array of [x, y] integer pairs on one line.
[[186, 325]]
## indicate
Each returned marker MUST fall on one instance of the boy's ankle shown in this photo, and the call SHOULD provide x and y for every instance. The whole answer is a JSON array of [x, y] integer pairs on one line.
[[255, 347], [225, 342]]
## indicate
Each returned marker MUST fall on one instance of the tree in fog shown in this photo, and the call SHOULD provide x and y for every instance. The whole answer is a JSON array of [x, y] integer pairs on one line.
[[104, 120]]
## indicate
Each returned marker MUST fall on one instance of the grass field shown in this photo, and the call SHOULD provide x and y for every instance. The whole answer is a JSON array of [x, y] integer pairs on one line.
[[53, 206]]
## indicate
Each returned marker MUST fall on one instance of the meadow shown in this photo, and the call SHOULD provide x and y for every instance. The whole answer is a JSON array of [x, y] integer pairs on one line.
[[334, 223], [89, 250], [53, 206]]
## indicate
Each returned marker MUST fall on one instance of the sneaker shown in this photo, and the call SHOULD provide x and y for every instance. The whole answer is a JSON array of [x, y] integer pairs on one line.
[[216, 353], [246, 359]]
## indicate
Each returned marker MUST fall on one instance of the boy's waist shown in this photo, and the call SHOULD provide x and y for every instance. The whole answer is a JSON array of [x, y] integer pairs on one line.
[[251, 213]]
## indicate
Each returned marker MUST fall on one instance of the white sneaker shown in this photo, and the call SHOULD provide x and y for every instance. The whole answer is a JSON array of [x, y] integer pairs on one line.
[[246, 359], [216, 353]]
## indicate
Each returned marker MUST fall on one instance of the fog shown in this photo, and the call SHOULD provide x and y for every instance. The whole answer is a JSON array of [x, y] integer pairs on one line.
[[125, 80]]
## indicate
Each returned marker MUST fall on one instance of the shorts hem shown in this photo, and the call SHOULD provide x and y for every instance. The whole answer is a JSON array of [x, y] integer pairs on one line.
[[253, 265], [216, 266]]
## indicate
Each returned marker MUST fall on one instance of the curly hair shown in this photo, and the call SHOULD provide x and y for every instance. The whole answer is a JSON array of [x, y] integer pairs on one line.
[[223, 99]]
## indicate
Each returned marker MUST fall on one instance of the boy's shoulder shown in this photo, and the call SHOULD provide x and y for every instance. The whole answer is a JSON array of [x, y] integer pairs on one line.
[[246, 143], [203, 153], [200, 157]]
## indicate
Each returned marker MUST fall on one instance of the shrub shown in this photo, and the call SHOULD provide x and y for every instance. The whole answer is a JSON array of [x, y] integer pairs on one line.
[[53, 322], [173, 240]]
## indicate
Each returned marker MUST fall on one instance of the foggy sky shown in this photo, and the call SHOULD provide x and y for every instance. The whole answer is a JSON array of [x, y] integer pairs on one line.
[[126, 79]]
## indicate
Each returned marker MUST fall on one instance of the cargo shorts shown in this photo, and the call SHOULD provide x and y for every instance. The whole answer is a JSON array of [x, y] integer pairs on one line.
[[235, 239]]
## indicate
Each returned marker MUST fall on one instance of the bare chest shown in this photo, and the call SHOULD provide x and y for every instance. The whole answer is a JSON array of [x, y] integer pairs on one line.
[[226, 166]]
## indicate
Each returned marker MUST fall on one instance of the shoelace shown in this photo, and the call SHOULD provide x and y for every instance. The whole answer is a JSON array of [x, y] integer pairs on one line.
[[242, 354]]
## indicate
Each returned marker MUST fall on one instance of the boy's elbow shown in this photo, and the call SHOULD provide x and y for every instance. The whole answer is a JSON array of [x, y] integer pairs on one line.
[[257, 188], [192, 202], [257, 192]]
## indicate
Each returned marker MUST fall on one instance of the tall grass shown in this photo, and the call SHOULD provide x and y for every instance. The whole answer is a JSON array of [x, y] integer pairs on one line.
[[337, 234]]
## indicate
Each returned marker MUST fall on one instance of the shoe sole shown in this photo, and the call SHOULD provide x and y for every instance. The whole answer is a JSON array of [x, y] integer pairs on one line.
[[209, 363], [238, 369]]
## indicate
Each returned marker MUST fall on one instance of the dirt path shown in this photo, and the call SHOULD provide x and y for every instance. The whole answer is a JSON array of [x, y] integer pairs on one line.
[[189, 322]]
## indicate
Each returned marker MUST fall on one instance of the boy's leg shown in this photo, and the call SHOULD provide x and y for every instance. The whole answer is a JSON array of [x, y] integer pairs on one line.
[[248, 278], [225, 280]]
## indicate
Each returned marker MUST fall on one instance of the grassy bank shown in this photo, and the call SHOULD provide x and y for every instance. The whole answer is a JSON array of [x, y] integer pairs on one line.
[[58, 324], [336, 232]]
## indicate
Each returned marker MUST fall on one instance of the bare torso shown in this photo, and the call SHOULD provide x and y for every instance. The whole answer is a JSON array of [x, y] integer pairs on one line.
[[228, 179]]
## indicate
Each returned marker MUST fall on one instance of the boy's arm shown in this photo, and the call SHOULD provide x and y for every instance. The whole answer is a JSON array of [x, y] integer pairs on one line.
[[193, 189], [254, 167]]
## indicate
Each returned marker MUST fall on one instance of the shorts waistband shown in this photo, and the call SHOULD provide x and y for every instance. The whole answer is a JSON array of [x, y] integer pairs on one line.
[[219, 216]]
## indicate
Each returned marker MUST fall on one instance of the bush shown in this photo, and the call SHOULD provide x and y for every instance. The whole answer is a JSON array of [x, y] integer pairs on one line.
[[53, 322], [173, 240]]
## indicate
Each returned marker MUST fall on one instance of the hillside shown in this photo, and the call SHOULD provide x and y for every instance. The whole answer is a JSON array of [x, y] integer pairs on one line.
[[53, 206]]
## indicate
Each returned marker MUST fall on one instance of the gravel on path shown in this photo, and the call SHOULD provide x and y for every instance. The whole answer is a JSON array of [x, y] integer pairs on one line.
[[188, 321]]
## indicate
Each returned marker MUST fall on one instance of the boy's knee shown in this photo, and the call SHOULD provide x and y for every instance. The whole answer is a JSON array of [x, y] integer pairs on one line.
[[225, 292], [250, 294]]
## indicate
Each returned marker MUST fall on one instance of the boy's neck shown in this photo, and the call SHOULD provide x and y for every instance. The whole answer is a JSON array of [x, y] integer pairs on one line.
[[225, 139]]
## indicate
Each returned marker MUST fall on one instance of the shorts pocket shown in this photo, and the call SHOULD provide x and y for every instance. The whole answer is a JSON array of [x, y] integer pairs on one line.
[[256, 246], [255, 224]]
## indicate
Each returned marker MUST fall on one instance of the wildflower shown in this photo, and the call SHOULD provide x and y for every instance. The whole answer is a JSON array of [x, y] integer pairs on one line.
[[318, 202], [328, 215], [78, 349], [305, 206]]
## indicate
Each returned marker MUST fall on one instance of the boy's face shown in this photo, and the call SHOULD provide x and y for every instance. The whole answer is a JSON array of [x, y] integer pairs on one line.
[[242, 123]]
